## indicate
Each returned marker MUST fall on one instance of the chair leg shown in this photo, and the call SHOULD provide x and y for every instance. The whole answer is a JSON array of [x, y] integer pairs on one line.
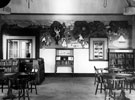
[[28, 94], [131, 87], [96, 88], [101, 87], [19, 94], [95, 80], [36, 88], [23, 94], [114, 96], [33, 86], [105, 94], [2, 88]]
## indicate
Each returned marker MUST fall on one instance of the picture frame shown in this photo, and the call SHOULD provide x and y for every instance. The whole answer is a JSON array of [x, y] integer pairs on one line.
[[98, 49]]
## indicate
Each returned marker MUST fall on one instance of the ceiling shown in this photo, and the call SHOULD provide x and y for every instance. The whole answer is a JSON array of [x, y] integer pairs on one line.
[[67, 6]]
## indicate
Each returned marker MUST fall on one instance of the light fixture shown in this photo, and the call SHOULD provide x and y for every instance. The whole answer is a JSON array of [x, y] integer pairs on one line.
[[105, 3], [121, 39], [29, 1]]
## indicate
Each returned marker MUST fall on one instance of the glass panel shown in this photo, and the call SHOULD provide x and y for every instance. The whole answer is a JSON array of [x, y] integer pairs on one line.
[[25, 48], [19, 48], [13, 49]]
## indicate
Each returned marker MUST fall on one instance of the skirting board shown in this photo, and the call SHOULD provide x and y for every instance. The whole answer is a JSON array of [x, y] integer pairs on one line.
[[69, 74]]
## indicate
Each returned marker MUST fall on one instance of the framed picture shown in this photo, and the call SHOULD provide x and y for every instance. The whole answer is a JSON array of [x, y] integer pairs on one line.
[[98, 49]]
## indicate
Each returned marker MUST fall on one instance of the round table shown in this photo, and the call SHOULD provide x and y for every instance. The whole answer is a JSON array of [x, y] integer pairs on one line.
[[116, 75], [8, 77]]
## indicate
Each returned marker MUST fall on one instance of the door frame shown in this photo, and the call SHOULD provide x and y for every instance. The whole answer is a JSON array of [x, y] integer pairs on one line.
[[6, 37]]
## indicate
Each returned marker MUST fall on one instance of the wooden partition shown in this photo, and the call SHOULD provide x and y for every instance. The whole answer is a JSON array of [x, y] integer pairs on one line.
[[23, 65]]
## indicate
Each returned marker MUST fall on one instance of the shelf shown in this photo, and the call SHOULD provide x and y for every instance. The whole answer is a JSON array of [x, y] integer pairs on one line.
[[64, 58], [121, 57]]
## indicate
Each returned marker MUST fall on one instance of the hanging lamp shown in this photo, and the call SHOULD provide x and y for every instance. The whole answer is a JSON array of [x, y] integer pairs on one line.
[[105, 3], [29, 1]]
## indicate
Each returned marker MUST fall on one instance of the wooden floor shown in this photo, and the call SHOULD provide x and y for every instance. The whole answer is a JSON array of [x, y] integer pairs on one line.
[[68, 88]]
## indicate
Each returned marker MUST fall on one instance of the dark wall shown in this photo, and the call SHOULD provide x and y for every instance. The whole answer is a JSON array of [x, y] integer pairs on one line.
[[14, 30], [1, 50]]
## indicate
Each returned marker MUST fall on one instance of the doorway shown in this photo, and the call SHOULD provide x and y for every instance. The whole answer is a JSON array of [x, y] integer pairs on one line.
[[19, 48]]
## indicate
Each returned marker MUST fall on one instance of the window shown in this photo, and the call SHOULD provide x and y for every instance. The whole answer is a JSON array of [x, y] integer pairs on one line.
[[19, 48]]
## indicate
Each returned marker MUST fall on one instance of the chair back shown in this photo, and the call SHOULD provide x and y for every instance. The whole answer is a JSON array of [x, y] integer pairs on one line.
[[98, 74], [114, 87], [116, 84], [96, 70], [35, 66]]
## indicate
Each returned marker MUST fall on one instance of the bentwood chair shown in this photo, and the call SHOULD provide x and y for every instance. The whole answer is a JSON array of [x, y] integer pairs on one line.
[[97, 72], [129, 83], [98, 80], [33, 70], [20, 83], [32, 81]]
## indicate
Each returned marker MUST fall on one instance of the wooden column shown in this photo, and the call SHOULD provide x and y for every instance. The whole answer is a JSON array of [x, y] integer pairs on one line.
[[133, 32]]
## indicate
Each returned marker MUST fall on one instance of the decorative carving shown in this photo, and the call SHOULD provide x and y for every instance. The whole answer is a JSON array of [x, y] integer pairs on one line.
[[81, 28], [57, 31], [97, 29]]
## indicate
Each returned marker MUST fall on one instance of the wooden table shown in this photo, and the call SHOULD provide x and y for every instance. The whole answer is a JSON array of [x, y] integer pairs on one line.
[[116, 75], [114, 69], [22, 80], [8, 76]]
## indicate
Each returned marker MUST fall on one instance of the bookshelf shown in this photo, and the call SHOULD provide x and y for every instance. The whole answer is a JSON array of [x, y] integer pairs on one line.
[[121, 58]]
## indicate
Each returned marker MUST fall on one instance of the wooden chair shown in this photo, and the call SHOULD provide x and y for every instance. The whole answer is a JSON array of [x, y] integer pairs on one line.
[[97, 71], [129, 83], [33, 76], [32, 81], [114, 88], [20, 84], [3, 81], [98, 80]]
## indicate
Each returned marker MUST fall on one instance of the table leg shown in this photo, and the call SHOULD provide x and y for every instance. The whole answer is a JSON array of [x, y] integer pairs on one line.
[[9, 93]]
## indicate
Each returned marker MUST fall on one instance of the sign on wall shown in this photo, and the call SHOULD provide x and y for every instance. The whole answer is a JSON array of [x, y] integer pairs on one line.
[[98, 49]]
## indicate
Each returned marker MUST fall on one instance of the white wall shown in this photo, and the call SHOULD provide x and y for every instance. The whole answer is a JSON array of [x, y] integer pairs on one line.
[[67, 6], [49, 59], [81, 62]]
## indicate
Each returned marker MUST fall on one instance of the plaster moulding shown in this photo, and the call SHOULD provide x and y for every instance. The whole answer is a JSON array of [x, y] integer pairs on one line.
[[129, 11]]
